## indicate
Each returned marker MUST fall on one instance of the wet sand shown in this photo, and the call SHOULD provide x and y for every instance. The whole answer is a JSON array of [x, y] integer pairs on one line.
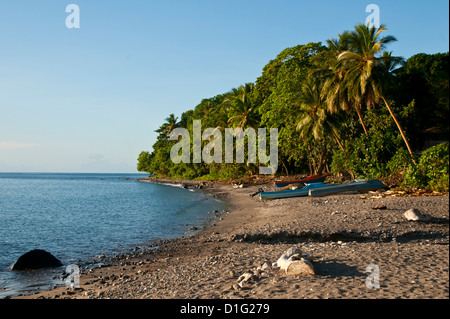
[[344, 233]]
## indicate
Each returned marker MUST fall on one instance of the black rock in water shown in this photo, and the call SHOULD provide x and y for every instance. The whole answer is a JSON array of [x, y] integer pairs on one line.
[[36, 259]]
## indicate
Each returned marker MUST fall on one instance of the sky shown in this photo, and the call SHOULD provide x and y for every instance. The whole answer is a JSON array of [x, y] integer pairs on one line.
[[89, 99]]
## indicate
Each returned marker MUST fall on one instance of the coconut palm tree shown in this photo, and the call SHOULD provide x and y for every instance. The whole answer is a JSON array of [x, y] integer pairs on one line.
[[389, 64], [332, 76], [170, 124], [242, 113], [314, 119], [364, 68]]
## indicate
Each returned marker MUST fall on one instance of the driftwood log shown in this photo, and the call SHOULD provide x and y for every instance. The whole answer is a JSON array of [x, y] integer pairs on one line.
[[295, 262]]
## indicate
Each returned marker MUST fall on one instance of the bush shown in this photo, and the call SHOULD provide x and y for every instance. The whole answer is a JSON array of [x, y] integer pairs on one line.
[[431, 172], [367, 157], [396, 167], [372, 156], [399, 162]]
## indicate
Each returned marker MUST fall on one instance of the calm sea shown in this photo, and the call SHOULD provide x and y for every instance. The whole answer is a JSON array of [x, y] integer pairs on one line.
[[77, 217]]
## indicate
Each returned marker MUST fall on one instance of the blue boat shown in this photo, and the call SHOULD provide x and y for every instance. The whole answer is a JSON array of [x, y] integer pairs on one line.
[[308, 180], [292, 193], [359, 185]]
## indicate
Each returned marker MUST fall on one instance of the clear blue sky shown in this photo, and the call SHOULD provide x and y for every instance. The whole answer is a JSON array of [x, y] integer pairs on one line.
[[89, 99]]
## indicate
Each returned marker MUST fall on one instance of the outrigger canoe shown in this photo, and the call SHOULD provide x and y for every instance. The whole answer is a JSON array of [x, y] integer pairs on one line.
[[356, 185], [309, 180], [292, 193], [321, 189]]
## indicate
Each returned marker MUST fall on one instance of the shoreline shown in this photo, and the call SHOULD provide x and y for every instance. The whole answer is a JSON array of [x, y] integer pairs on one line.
[[343, 232], [137, 250], [53, 278]]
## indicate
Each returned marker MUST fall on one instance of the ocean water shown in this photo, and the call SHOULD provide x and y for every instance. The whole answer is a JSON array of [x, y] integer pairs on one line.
[[78, 217]]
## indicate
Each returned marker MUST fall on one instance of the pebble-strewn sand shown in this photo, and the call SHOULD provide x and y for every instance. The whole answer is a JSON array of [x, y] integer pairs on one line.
[[343, 232]]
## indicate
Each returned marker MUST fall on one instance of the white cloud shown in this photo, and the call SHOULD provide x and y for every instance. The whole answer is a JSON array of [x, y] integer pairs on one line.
[[8, 145]]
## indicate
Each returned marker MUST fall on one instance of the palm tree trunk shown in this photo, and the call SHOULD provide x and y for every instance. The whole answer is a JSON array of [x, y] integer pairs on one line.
[[362, 122], [285, 168], [310, 168], [352, 175], [339, 142], [400, 129], [322, 161]]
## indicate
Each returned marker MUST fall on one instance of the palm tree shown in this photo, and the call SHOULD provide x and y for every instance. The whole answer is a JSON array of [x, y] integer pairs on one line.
[[314, 119], [170, 124], [364, 68], [242, 113], [331, 74], [389, 64]]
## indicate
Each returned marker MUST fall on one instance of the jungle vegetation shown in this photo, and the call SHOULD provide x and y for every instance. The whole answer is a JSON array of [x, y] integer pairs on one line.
[[347, 107]]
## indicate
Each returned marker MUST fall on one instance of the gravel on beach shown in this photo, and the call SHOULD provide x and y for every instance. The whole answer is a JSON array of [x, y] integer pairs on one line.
[[349, 235]]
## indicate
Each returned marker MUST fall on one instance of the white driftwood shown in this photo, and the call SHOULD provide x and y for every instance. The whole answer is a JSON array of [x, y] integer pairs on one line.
[[300, 267], [266, 266], [308, 257], [290, 255], [244, 278], [295, 262]]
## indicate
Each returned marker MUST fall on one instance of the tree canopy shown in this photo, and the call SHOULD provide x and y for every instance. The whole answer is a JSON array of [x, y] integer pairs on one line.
[[348, 107]]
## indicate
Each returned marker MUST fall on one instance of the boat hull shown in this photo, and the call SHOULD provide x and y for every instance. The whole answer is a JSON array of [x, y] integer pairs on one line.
[[291, 193], [359, 185], [309, 180]]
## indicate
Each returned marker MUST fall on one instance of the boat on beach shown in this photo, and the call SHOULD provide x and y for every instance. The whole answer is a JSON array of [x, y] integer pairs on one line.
[[292, 193], [321, 189], [308, 180], [359, 185]]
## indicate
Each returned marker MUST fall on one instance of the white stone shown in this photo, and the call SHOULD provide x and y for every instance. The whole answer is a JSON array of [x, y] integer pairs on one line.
[[415, 215]]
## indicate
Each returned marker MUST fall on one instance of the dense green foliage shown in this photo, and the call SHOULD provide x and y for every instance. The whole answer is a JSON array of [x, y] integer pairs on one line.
[[431, 171], [347, 107]]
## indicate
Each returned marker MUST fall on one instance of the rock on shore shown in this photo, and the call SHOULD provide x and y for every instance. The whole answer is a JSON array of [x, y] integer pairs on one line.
[[36, 259]]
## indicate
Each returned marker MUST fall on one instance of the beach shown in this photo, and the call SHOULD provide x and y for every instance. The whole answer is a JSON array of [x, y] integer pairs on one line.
[[348, 236]]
